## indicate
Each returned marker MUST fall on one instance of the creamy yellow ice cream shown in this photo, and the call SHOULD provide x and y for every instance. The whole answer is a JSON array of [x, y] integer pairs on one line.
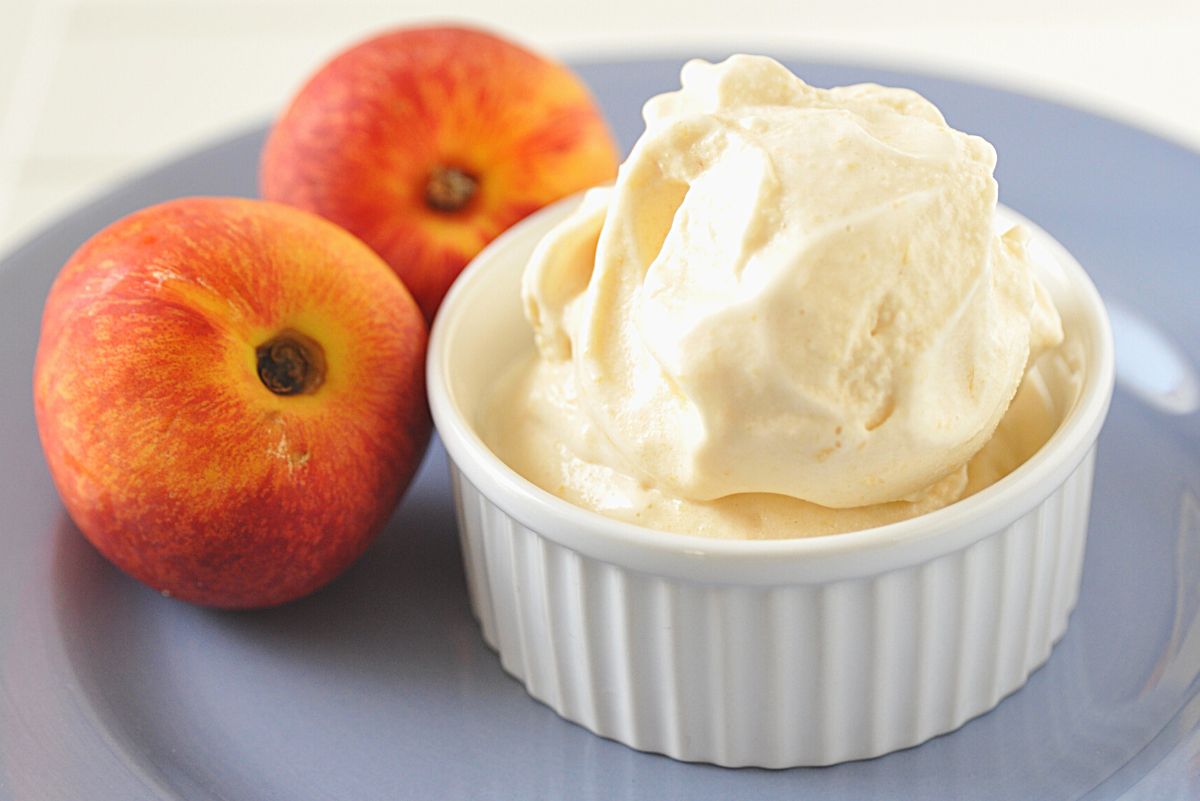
[[790, 315]]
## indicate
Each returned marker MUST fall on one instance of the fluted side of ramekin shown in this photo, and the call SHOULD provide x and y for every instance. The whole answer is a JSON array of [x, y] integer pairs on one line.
[[782, 675]]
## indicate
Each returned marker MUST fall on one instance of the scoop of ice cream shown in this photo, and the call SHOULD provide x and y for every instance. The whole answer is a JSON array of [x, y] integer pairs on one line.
[[792, 290]]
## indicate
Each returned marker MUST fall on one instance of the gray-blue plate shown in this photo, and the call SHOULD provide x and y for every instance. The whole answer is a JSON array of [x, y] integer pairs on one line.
[[379, 686]]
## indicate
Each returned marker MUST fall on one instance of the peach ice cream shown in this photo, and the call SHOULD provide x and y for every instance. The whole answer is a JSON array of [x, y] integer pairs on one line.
[[792, 314]]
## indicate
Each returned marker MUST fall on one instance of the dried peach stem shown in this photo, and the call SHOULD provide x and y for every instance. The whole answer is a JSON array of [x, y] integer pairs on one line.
[[449, 189]]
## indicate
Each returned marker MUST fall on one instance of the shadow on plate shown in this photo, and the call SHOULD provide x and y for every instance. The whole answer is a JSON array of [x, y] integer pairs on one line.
[[407, 587]]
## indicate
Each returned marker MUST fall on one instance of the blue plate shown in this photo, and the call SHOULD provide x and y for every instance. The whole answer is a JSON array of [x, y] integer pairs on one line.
[[380, 686]]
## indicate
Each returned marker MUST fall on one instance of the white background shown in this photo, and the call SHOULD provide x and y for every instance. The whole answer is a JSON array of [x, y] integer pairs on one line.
[[92, 91]]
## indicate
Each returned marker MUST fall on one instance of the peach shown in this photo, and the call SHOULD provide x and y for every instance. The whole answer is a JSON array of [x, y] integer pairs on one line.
[[230, 396], [429, 142]]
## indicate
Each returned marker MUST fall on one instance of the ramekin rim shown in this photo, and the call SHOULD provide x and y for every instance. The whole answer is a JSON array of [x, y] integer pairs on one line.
[[900, 543]]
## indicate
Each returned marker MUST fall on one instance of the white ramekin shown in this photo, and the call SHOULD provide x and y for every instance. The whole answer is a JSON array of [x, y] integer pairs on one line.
[[769, 653]]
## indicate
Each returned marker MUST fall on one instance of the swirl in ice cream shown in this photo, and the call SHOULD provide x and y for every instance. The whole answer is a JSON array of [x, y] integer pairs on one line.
[[790, 297]]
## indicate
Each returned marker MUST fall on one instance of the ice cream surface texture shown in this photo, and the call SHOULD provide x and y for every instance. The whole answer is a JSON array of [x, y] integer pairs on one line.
[[791, 310]]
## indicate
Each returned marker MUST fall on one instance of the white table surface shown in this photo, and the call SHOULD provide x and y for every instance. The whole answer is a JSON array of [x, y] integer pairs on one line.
[[92, 91]]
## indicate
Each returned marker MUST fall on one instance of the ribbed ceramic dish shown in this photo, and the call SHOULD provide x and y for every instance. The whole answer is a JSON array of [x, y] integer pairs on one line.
[[767, 653]]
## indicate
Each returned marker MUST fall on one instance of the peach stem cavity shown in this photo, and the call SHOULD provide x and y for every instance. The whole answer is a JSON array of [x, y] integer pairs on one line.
[[291, 363]]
